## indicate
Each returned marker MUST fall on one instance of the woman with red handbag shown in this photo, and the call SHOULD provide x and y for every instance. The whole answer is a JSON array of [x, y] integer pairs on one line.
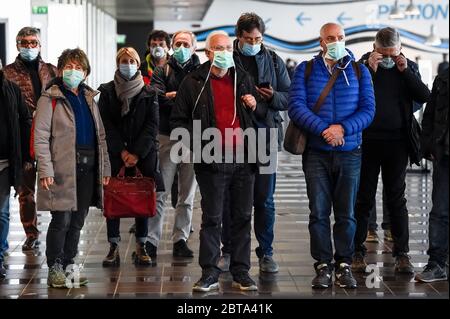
[[129, 111], [72, 163]]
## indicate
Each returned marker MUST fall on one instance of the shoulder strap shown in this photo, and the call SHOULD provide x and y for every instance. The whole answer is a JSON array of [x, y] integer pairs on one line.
[[357, 69], [308, 69], [326, 90], [274, 59]]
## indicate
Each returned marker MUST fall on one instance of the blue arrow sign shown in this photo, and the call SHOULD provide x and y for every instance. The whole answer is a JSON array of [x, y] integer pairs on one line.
[[301, 18], [341, 18]]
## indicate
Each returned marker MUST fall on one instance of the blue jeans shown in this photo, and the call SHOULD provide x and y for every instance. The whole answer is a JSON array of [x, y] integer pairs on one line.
[[5, 189], [438, 232], [264, 213], [332, 180]]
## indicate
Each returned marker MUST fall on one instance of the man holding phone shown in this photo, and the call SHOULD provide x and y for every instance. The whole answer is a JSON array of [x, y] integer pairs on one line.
[[269, 72]]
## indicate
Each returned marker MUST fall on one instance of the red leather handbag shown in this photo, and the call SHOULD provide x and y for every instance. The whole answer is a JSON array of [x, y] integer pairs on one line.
[[129, 196]]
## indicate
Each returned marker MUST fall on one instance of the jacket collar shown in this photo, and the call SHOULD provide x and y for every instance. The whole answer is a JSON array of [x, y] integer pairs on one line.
[[54, 91], [191, 64]]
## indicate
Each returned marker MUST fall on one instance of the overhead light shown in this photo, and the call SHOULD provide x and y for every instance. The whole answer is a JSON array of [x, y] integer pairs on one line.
[[178, 16], [412, 9], [395, 12], [433, 39]]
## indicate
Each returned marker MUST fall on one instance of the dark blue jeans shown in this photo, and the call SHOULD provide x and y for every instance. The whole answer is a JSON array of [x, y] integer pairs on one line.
[[438, 232], [332, 180], [264, 212], [5, 189]]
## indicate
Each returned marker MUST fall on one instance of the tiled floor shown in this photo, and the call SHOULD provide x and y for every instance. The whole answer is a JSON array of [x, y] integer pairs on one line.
[[170, 277]]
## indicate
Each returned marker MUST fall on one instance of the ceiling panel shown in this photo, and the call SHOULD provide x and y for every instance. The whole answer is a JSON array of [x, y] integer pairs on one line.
[[183, 10]]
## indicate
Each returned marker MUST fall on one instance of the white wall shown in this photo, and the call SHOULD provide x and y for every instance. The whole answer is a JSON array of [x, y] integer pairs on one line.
[[16, 14], [65, 26]]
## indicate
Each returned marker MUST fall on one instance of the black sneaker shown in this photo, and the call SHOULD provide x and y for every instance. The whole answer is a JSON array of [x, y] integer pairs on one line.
[[2, 271], [323, 277], [243, 281], [151, 249], [432, 272], [206, 283], [181, 249], [344, 276], [403, 264], [30, 244]]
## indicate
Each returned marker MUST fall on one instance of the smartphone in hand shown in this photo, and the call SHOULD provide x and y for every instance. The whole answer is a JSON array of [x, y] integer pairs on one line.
[[265, 85]]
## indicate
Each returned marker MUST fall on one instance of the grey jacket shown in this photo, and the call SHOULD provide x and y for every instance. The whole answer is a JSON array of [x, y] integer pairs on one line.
[[54, 144]]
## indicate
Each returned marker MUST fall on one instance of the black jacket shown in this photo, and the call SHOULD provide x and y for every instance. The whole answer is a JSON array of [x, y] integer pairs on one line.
[[136, 132], [413, 94], [435, 119], [272, 69], [20, 127], [184, 113], [168, 79]]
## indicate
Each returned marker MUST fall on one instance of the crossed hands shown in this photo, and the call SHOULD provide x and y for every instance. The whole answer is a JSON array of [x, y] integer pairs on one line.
[[129, 159], [334, 135]]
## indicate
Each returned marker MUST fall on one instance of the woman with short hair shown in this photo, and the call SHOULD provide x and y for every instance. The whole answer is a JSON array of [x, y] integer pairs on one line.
[[73, 163]]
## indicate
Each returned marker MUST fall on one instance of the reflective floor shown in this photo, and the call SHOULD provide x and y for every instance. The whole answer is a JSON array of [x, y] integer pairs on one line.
[[173, 277]]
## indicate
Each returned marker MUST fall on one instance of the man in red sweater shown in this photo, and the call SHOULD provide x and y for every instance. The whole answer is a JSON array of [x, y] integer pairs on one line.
[[221, 96]]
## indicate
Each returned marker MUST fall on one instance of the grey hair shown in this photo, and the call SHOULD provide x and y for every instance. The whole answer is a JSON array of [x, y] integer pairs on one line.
[[387, 38], [192, 35], [26, 31], [212, 35]]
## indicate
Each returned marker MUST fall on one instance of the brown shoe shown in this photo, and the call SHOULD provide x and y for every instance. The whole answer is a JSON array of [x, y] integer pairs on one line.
[[388, 236], [403, 265], [359, 264], [113, 257], [372, 236], [31, 243], [141, 257]]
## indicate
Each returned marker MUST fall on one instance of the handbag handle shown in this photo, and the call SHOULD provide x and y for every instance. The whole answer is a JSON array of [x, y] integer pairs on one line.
[[137, 173]]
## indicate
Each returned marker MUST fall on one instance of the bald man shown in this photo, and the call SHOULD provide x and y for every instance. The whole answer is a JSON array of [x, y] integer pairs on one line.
[[332, 158], [221, 96]]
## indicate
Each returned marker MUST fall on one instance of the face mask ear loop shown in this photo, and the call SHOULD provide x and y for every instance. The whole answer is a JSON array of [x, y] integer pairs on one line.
[[201, 91]]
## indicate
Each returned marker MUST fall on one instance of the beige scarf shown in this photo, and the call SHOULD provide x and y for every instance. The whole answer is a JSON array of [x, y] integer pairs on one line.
[[127, 89]]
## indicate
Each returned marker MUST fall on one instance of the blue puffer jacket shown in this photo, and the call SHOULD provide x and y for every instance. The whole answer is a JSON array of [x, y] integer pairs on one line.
[[350, 103]]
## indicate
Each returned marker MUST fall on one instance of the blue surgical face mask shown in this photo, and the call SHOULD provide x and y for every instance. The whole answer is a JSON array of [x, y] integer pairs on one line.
[[128, 70], [73, 78], [387, 63], [336, 51], [182, 54], [29, 54], [251, 50], [223, 59]]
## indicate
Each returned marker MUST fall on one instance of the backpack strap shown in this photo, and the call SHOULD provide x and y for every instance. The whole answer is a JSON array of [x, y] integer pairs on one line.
[[308, 69], [357, 69]]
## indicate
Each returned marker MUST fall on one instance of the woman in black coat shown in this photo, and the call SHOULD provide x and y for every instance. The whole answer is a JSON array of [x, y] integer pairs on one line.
[[129, 111]]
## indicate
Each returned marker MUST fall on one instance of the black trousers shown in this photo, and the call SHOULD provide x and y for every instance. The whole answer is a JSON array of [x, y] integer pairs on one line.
[[63, 234], [391, 157], [238, 181]]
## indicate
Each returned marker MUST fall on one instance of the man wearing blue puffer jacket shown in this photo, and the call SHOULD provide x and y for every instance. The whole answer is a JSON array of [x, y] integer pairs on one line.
[[332, 159]]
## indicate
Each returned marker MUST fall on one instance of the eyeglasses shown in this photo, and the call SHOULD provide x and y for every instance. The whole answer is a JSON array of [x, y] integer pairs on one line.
[[25, 43], [251, 40]]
